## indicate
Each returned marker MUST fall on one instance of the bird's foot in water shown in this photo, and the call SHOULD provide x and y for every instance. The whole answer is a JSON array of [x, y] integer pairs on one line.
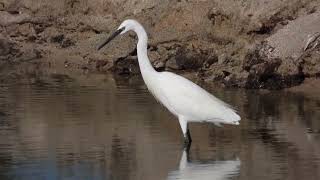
[[187, 140], [187, 143]]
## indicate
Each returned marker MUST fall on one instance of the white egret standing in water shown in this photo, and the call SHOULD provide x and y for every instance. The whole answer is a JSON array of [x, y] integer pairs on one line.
[[186, 100]]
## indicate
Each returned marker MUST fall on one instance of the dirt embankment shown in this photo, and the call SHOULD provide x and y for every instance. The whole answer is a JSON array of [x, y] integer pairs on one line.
[[252, 44]]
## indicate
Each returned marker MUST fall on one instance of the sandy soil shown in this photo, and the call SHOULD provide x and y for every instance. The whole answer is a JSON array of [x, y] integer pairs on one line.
[[251, 44]]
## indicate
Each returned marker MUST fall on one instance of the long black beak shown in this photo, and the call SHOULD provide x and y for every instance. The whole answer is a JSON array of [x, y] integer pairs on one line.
[[115, 34]]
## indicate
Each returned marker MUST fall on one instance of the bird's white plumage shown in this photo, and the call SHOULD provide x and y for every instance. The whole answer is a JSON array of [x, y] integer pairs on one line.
[[182, 97], [190, 101]]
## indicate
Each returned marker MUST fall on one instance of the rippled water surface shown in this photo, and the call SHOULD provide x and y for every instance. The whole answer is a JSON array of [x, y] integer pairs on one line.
[[116, 130]]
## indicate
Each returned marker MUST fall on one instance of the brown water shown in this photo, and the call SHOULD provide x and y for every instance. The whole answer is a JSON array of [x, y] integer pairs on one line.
[[68, 130]]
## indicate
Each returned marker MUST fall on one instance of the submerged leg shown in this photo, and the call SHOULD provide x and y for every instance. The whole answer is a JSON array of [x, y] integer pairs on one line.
[[184, 159], [185, 131]]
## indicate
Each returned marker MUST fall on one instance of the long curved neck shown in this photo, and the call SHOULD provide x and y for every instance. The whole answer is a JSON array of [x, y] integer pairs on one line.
[[142, 51]]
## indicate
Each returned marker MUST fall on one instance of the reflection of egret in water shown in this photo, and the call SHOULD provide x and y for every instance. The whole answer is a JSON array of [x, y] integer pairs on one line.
[[214, 170]]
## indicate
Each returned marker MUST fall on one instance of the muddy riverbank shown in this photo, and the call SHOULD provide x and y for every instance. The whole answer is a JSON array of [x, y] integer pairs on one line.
[[249, 44]]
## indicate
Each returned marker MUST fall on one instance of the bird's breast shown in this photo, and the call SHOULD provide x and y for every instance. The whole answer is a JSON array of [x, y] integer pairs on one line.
[[160, 96]]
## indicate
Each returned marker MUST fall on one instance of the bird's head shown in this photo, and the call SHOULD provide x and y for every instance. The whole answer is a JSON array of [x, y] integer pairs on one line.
[[124, 27]]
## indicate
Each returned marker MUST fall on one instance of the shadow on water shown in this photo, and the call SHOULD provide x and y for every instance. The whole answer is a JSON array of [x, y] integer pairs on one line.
[[114, 129]]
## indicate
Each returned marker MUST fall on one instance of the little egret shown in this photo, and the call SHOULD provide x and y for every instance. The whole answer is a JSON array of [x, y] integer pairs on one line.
[[186, 100]]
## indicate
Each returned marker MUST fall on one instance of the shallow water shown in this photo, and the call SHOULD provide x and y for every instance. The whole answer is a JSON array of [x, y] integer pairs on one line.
[[116, 130]]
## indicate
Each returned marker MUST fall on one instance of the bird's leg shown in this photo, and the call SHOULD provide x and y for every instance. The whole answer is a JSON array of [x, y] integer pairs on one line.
[[187, 139], [188, 134], [185, 131]]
